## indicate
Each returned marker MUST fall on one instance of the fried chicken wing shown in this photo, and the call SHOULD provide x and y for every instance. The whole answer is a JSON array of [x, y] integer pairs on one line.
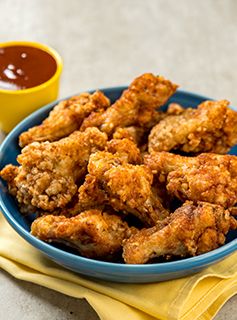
[[212, 127], [130, 190], [92, 193], [93, 233], [137, 105], [125, 187], [191, 230], [65, 118], [207, 177], [48, 172]]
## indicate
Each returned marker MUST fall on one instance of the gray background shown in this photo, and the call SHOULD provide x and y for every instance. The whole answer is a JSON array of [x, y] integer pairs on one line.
[[106, 43]]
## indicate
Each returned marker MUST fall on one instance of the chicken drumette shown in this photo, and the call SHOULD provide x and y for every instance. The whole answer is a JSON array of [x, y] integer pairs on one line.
[[212, 127], [191, 230], [126, 187], [93, 233], [136, 107], [207, 177], [48, 172], [65, 118]]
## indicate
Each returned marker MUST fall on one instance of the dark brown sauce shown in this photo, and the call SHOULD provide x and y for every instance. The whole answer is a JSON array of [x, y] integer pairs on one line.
[[23, 67]]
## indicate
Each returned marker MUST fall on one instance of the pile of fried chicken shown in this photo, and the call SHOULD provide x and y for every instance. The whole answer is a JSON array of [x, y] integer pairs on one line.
[[127, 180]]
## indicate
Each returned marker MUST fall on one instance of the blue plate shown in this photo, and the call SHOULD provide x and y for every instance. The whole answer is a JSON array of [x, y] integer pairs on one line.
[[117, 272]]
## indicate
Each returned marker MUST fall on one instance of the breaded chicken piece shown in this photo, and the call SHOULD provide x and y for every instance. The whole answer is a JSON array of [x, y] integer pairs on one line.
[[125, 149], [48, 172], [207, 177], [10, 172], [93, 233], [191, 230], [212, 127], [137, 105], [65, 118], [91, 193], [129, 188], [125, 187]]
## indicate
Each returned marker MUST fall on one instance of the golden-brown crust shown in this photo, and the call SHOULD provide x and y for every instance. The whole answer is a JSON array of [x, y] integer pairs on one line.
[[95, 234], [126, 149], [212, 127], [65, 118], [125, 187], [191, 230], [9, 173], [137, 105], [48, 172], [174, 109], [207, 177], [136, 134], [91, 194]]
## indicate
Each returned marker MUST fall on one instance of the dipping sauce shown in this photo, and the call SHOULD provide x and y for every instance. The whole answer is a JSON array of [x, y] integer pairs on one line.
[[23, 67]]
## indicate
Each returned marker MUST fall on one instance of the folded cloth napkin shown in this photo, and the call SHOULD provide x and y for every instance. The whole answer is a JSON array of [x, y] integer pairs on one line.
[[195, 297]]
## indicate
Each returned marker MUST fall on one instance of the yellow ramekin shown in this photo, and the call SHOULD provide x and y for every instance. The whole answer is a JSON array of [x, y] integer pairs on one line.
[[16, 105]]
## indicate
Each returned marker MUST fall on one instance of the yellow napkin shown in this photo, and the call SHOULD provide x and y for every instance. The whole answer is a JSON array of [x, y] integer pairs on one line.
[[195, 297]]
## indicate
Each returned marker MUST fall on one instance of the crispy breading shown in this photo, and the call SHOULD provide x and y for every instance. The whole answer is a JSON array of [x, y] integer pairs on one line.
[[92, 193], [125, 187], [137, 105], [126, 149], [136, 134], [66, 117], [93, 233], [129, 187], [174, 109], [140, 134], [9, 173], [48, 172], [191, 230], [212, 127], [207, 177]]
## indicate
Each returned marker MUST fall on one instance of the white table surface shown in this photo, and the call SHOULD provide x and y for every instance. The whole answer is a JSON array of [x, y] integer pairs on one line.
[[107, 43]]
